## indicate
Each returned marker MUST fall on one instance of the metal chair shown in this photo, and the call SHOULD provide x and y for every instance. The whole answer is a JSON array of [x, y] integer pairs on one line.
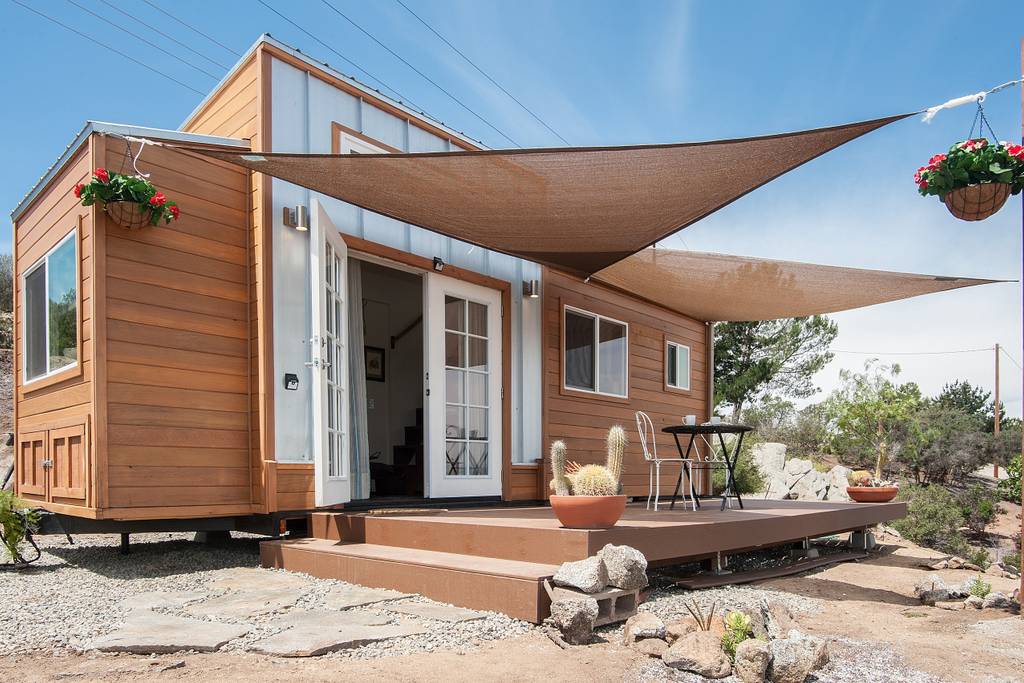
[[649, 443]]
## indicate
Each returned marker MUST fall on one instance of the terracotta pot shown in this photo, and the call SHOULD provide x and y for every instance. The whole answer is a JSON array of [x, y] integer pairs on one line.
[[588, 512], [872, 494], [129, 215], [977, 202]]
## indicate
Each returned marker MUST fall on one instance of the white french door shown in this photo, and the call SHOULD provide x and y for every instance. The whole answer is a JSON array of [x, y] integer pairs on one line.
[[462, 327], [329, 359]]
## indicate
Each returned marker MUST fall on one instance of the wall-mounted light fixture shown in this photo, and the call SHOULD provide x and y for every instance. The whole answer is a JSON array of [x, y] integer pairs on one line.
[[438, 264], [297, 218], [531, 288]]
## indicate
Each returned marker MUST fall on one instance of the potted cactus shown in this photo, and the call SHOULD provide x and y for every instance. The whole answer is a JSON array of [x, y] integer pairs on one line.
[[588, 498], [867, 488]]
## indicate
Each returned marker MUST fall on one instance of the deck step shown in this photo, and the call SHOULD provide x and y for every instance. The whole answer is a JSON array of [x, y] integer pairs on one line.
[[486, 583]]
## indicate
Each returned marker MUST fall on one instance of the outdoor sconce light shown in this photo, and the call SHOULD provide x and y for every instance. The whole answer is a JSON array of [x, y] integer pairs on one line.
[[297, 218], [531, 288], [438, 264]]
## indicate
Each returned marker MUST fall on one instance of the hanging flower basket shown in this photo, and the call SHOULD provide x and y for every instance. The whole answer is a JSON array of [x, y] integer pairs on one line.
[[130, 201], [975, 178]]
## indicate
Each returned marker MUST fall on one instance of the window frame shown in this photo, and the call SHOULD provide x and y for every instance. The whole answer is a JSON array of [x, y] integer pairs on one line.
[[597, 318], [72, 369], [689, 367]]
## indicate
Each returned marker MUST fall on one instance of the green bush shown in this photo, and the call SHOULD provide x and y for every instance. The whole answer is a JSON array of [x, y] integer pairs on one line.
[[979, 587], [738, 627], [16, 521], [1009, 488], [934, 517], [748, 477], [978, 507]]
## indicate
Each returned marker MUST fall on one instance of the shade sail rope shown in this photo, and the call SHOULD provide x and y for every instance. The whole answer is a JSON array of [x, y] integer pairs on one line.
[[978, 97]]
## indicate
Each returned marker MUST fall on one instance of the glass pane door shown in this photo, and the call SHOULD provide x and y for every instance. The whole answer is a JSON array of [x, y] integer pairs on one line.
[[467, 403]]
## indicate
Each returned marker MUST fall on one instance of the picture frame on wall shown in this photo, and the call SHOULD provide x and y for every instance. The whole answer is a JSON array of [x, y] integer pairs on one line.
[[374, 363]]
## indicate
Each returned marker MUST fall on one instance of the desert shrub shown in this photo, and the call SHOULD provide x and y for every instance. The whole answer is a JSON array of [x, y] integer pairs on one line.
[[974, 555], [934, 518], [978, 507], [944, 445], [17, 520], [747, 479], [1009, 488], [1011, 560], [979, 587], [738, 627], [6, 330]]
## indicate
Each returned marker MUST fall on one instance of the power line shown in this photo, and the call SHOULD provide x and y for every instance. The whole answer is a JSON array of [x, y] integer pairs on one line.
[[1012, 359], [147, 42], [164, 34], [911, 353], [108, 47], [423, 75], [482, 72], [193, 28], [400, 96]]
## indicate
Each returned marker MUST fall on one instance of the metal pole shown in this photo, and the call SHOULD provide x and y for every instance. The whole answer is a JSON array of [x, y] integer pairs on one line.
[[1020, 594], [995, 426]]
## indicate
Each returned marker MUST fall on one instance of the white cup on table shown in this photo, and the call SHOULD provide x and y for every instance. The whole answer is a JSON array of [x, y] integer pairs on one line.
[[689, 419], [716, 420]]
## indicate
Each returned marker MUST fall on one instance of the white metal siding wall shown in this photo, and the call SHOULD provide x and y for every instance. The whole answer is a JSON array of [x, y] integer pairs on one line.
[[303, 108]]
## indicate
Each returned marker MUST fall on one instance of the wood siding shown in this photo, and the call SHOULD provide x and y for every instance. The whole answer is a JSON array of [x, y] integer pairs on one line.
[[582, 420], [62, 401], [295, 486], [240, 108], [178, 341]]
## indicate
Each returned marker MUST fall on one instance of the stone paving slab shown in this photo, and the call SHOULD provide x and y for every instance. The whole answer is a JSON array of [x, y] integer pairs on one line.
[[146, 632], [254, 578], [343, 597], [437, 612], [314, 632], [162, 599], [244, 604]]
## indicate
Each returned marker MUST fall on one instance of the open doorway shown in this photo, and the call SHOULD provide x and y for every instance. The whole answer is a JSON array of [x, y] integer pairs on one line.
[[393, 343]]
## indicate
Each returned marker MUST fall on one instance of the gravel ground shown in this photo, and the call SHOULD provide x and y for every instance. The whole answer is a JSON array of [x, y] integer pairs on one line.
[[73, 593]]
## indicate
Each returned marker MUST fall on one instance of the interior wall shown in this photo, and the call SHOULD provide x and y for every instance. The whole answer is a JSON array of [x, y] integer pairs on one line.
[[392, 300]]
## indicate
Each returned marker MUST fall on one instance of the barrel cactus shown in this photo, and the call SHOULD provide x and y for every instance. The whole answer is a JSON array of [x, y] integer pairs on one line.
[[594, 480], [589, 480], [559, 484]]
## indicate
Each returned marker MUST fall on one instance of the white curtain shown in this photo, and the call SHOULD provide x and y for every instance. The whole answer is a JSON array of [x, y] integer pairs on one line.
[[360, 446]]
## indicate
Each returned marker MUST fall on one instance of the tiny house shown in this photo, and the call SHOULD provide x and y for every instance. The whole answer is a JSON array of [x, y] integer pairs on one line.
[[275, 351]]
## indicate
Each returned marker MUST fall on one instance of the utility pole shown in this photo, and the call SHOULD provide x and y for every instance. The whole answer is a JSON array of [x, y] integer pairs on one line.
[[1020, 594], [995, 412]]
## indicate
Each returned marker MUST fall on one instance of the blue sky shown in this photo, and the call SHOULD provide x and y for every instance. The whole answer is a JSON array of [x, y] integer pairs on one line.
[[617, 73]]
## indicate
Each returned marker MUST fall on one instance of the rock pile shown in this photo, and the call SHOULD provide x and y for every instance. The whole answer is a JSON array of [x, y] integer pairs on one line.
[[574, 606], [797, 478], [934, 591], [775, 651]]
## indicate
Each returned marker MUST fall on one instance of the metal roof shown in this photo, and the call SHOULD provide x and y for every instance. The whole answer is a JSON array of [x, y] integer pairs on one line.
[[324, 66], [103, 127]]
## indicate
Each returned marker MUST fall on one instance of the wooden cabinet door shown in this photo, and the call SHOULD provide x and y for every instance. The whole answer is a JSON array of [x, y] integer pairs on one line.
[[32, 463], [68, 462]]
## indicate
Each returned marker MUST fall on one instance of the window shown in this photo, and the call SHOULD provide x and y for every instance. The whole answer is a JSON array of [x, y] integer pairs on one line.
[[677, 366], [51, 311], [596, 350]]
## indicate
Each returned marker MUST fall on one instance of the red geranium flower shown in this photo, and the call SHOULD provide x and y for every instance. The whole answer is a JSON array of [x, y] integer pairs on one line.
[[102, 175], [78, 190], [924, 184], [158, 199], [174, 211]]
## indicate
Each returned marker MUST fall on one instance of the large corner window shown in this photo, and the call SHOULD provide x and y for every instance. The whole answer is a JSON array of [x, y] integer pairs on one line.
[[677, 366], [51, 311], [596, 350]]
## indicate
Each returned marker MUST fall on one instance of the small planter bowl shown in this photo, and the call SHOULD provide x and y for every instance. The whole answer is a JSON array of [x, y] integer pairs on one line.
[[977, 202], [588, 512], [872, 494], [129, 215]]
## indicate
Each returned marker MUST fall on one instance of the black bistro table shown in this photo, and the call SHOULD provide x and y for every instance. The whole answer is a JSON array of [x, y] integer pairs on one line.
[[710, 430]]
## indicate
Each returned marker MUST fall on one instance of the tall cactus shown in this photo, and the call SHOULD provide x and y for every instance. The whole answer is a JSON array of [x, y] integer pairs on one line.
[[616, 445], [559, 483]]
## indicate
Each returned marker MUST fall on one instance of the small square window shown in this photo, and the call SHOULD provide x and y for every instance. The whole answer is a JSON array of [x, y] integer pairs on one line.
[[51, 311], [596, 353], [677, 366]]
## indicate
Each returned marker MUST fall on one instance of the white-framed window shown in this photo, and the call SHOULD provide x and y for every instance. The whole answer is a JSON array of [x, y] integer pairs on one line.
[[677, 365], [350, 144], [596, 353], [50, 299]]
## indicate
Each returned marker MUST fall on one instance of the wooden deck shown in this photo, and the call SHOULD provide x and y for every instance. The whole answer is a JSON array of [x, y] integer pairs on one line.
[[496, 558]]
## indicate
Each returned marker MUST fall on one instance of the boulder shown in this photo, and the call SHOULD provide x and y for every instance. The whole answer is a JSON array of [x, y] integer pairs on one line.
[[955, 562], [810, 485], [974, 602], [839, 478], [589, 575], [652, 647], [752, 659], [626, 567], [677, 629], [575, 619], [796, 656], [930, 590], [951, 605], [797, 467], [996, 600], [837, 493], [778, 620], [776, 486], [996, 569], [769, 457], [699, 652], [641, 626]]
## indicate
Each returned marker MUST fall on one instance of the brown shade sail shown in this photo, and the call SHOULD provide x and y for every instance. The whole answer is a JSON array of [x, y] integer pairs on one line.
[[718, 287], [575, 209]]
